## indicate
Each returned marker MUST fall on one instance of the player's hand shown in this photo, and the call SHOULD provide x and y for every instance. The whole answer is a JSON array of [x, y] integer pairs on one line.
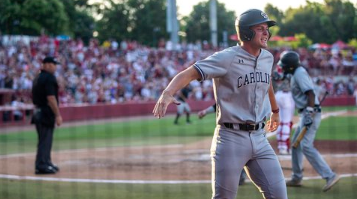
[[273, 124], [161, 105], [308, 120], [201, 114], [59, 120]]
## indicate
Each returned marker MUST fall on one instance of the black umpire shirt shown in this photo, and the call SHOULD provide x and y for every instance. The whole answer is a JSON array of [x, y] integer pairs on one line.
[[45, 84]]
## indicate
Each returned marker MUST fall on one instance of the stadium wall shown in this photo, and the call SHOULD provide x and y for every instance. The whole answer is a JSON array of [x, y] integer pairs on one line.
[[72, 113]]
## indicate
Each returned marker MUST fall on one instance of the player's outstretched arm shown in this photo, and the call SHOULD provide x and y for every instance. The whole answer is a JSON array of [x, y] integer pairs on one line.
[[177, 83]]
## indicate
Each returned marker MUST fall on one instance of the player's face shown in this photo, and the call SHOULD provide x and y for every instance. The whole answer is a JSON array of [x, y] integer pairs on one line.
[[261, 36]]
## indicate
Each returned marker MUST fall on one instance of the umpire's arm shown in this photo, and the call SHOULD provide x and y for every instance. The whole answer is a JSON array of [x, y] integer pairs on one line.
[[52, 102], [178, 82]]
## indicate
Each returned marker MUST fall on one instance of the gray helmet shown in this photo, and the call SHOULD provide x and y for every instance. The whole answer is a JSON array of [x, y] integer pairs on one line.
[[250, 18], [289, 61]]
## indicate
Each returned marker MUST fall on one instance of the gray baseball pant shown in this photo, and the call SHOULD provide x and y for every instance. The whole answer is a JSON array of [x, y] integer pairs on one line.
[[231, 150], [307, 148]]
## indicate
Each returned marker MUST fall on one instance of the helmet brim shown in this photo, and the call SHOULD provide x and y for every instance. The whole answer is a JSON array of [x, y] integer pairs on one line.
[[281, 64], [271, 23]]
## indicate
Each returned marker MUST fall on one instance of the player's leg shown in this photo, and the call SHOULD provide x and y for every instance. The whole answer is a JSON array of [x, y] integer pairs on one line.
[[279, 133], [188, 111], [285, 135], [296, 161], [242, 178], [180, 109], [229, 152], [265, 170], [312, 154], [288, 140]]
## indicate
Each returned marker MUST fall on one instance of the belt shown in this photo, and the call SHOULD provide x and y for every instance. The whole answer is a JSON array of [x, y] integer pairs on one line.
[[317, 108], [245, 126]]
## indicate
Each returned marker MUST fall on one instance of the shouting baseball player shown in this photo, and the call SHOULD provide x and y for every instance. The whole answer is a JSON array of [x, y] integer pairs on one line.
[[242, 88], [309, 109]]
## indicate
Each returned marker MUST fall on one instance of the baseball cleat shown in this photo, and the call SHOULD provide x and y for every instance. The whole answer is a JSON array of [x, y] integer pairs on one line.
[[330, 182], [283, 152], [47, 170], [294, 183], [55, 167]]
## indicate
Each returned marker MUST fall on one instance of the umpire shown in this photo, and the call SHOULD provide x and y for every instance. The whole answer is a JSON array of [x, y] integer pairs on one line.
[[46, 114]]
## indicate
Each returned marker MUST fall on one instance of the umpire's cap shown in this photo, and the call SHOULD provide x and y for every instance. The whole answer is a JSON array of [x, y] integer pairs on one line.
[[250, 18], [50, 60]]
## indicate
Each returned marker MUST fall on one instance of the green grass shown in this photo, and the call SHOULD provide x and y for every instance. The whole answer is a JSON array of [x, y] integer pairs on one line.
[[338, 128], [113, 134], [333, 108], [152, 132], [338, 108], [15, 189]]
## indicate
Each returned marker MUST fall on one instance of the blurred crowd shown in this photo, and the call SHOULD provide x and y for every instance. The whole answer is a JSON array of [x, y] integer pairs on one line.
[[114, 72]]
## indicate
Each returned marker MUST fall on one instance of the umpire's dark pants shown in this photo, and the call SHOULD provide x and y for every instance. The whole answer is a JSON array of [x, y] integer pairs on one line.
[[44, 146]]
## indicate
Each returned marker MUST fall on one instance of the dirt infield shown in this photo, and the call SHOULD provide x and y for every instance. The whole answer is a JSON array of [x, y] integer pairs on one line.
[[171, 162]]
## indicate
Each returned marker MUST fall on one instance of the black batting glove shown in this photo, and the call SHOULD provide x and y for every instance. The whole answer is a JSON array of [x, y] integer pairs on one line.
[[308, 120]]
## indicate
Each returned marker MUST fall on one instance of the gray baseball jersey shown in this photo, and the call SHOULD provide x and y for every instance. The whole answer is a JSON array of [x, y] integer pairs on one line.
[[240, 82], [300, 83]]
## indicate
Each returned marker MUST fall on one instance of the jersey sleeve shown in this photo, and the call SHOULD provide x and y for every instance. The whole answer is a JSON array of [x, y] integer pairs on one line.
[[215, 65], [304, 81]]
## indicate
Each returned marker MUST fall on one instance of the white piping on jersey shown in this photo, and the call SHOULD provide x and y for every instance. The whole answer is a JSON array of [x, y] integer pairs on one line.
[[200, 71], [255, 88]]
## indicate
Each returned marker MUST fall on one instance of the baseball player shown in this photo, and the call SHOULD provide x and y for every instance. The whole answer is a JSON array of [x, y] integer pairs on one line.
[[184, 107], [309, 109], [286, 104], [242, 88]]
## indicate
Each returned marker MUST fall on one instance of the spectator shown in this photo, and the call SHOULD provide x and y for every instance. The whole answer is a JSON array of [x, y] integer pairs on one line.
[[84, 67], [17, 103], [350, 86]]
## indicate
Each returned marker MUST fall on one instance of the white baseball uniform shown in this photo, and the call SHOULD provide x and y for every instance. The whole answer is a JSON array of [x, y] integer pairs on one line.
[[286, 104]]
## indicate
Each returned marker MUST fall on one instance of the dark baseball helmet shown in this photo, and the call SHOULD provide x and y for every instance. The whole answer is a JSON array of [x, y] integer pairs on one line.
[[248, 19], [289, 61]]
